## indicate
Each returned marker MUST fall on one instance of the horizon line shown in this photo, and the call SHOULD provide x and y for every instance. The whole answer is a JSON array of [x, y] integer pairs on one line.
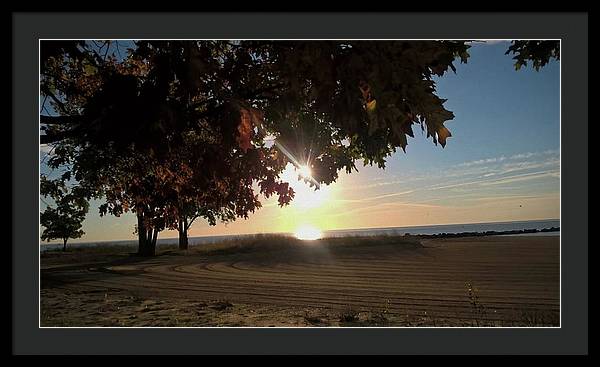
[[324, 231]]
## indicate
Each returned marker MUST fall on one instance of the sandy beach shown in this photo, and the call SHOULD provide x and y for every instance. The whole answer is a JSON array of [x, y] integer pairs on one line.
[[394, 281]]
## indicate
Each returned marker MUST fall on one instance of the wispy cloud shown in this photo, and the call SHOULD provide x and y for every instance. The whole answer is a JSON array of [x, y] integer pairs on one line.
[[390, 181], [384, 206], [378, 197], [523, 177], [504, 158], [514, 197], [498, 181], [481, 168], [474, 178], [482, 161]]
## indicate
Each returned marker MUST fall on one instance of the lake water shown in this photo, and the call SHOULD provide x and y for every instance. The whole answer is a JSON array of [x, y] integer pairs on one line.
[[426, 230], [450, 228]]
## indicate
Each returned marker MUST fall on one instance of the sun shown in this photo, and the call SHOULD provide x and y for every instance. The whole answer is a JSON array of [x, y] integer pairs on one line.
[[308, 233], [305, 196], [305, 172]]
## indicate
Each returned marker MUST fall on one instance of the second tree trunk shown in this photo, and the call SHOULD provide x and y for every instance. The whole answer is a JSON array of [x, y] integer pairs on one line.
[[183, 235]]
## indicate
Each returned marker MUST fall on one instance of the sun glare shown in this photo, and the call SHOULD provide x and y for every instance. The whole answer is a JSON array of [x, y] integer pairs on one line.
[[308, 233], [305, 196], [305, 172]]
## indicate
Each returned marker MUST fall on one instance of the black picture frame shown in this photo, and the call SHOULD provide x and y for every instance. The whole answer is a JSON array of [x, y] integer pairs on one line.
[[570, 28]]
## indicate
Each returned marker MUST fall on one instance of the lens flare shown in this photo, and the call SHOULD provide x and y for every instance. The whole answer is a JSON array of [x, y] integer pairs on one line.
[[305, 196], [305, 172]]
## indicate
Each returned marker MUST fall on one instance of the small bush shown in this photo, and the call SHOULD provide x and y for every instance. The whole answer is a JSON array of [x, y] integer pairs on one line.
[[221, 305], [349, 315]]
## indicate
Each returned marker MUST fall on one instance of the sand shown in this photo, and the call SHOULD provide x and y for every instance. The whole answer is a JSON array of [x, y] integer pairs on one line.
[[477, 281]]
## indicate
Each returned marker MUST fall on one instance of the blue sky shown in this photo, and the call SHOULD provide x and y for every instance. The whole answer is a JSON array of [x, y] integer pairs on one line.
[[501, 163]]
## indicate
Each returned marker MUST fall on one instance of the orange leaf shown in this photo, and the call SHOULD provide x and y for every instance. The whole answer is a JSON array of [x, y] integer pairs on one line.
[[244, 130], [443, 134], [256, 117]]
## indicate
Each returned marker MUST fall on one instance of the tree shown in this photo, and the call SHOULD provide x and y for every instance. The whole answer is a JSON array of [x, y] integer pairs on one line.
[[201, 171], [65, 220], [177, 129]]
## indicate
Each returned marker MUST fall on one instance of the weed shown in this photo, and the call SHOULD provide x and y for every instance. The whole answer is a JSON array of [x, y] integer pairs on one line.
[[478, 308]]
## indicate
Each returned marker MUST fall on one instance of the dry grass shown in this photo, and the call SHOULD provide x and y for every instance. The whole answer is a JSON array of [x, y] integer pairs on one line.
[[244, 244], [279, 242]]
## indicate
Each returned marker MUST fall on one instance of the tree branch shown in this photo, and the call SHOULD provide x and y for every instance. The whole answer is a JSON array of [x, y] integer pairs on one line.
[[58, 120], [60, 103], [191, 221], [44, 103]]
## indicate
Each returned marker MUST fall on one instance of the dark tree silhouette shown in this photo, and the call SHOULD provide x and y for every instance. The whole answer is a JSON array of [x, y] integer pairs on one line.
[[538, 52], [64, 220]]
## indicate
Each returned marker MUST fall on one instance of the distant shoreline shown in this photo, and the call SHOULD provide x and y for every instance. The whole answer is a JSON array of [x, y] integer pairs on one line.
[[440, 235], [529, 227], [487, 233]]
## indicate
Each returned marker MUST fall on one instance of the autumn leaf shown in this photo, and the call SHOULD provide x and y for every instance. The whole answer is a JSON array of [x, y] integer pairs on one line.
[[256, 116], [244, 130], [371, 105], [443, 133]]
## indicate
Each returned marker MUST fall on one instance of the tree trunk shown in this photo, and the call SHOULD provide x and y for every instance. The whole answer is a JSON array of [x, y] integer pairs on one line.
[[146, 238], [153, 244], [183, 235], [141, 234], [148, 247], [65, 244]]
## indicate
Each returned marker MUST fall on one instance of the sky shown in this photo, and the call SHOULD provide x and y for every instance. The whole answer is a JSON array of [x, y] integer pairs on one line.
[[502, 163]]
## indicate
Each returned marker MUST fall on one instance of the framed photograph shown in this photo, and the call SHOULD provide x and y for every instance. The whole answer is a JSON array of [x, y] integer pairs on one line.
[[188, 184]]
